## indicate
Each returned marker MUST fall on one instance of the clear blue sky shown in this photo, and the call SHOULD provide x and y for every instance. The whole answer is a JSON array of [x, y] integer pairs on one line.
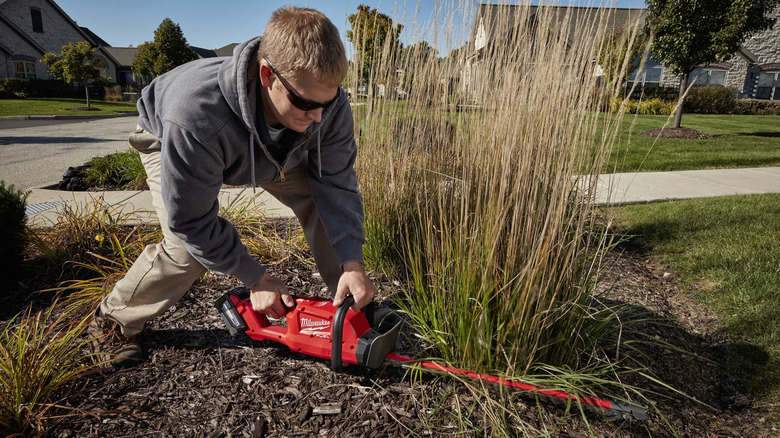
[[212, 25]]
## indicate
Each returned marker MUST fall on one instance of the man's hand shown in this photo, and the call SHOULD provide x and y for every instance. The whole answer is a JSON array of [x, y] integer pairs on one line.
[[355, 282], [270, 296]]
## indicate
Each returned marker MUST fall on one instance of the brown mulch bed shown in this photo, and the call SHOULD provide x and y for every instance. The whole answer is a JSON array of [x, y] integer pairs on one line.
[[687, 133], [201, 382]]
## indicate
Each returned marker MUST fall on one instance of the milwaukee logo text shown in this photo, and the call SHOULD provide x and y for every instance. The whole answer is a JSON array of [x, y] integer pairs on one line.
[[308, 323]]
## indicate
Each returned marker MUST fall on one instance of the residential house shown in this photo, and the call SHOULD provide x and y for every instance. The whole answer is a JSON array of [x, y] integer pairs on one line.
[[30, 28], [124, 57], [754, 71]]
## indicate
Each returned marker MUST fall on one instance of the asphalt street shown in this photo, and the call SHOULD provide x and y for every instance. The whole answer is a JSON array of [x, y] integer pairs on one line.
[[36, 153]]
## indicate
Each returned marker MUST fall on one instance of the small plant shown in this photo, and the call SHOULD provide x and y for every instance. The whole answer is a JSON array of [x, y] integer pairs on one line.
[[118, 170], [114, 93], [13, 231], [40, 354]]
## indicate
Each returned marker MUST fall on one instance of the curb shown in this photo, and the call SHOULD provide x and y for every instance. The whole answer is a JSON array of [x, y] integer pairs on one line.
[[73, 117]]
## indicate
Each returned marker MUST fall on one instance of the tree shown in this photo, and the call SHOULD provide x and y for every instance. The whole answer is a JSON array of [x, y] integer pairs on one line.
[[74, 64], [420, 51], [417, 62], [371, 33], [619, 48], [168, 50], [689, 33]]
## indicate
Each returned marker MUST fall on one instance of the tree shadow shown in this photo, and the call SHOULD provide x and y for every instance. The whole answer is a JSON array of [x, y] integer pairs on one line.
[[718, 373], [49, 140], [769, 134]]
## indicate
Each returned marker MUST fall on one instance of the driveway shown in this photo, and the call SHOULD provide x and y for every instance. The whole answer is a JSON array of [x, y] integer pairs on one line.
[[34, 154]]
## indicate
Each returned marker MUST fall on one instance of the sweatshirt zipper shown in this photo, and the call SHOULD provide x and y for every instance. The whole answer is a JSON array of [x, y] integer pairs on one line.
[[281, 167]]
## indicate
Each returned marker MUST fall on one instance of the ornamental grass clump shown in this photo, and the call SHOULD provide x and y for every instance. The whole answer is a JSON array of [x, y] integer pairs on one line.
[[41, 353], [82, 229], [269, 239], [478, 185]]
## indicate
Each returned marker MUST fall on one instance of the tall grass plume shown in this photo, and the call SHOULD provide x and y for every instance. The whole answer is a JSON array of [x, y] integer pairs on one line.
[[478, 181]]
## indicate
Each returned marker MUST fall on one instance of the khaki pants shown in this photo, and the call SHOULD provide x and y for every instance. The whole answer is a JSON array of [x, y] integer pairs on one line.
[[164, 272]]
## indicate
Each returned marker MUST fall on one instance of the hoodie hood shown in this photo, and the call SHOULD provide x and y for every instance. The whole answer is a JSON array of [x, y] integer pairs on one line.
[[238, 81]]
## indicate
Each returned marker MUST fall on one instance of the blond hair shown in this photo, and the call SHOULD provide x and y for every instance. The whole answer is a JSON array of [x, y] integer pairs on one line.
[[302, 39]]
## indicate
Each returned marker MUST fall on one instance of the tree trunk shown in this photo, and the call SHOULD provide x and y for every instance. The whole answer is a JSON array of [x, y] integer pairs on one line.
[[86, 90], [681, 101]]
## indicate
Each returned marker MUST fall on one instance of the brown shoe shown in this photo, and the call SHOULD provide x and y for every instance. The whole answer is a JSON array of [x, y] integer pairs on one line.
[[111, 347]]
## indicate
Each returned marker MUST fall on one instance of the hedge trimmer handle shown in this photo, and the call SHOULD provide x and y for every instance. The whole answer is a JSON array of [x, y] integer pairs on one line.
[[244, 320], [338, 332]]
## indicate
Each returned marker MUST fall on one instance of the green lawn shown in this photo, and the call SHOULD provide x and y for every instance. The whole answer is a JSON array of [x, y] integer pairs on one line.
[[53, 107], [739, 141], [728, 253]]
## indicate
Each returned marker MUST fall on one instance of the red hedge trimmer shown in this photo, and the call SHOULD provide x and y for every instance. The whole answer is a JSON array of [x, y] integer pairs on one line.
[[317, 328]]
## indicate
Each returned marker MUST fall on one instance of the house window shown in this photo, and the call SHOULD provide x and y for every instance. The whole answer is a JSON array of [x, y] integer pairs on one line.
[[37, 20], [707, 76], [649, 77], [125, 78], [768, 85], [24, 70], [101, 65]]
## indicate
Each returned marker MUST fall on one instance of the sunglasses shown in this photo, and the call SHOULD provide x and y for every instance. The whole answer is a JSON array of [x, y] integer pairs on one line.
[[297, 101]]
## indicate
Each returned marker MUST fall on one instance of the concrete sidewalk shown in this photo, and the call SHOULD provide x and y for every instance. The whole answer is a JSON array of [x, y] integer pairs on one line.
[[44, 205], [640, 187]]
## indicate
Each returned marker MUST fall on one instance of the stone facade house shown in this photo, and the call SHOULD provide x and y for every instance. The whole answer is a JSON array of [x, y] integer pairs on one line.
[[754, 71], [30, 28]]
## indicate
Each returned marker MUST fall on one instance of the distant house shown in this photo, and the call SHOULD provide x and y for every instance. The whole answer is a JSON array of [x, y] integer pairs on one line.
[[30, 28], [226, 51], [124, 57], [754, 71]]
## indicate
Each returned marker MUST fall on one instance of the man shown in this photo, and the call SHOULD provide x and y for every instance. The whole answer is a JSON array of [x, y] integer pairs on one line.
[[274, 116]]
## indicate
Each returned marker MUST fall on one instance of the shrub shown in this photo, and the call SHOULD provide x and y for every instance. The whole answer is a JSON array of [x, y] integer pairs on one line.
[[13, 236], [757, 107], [12, 88], [711, 100], [654, 106], [117, 170]]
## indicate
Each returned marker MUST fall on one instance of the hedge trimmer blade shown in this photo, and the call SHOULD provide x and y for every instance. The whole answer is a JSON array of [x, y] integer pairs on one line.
[[317, 328]]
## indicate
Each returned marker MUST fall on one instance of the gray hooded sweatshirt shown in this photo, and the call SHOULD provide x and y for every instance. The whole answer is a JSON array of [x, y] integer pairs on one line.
[[204, 114]]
